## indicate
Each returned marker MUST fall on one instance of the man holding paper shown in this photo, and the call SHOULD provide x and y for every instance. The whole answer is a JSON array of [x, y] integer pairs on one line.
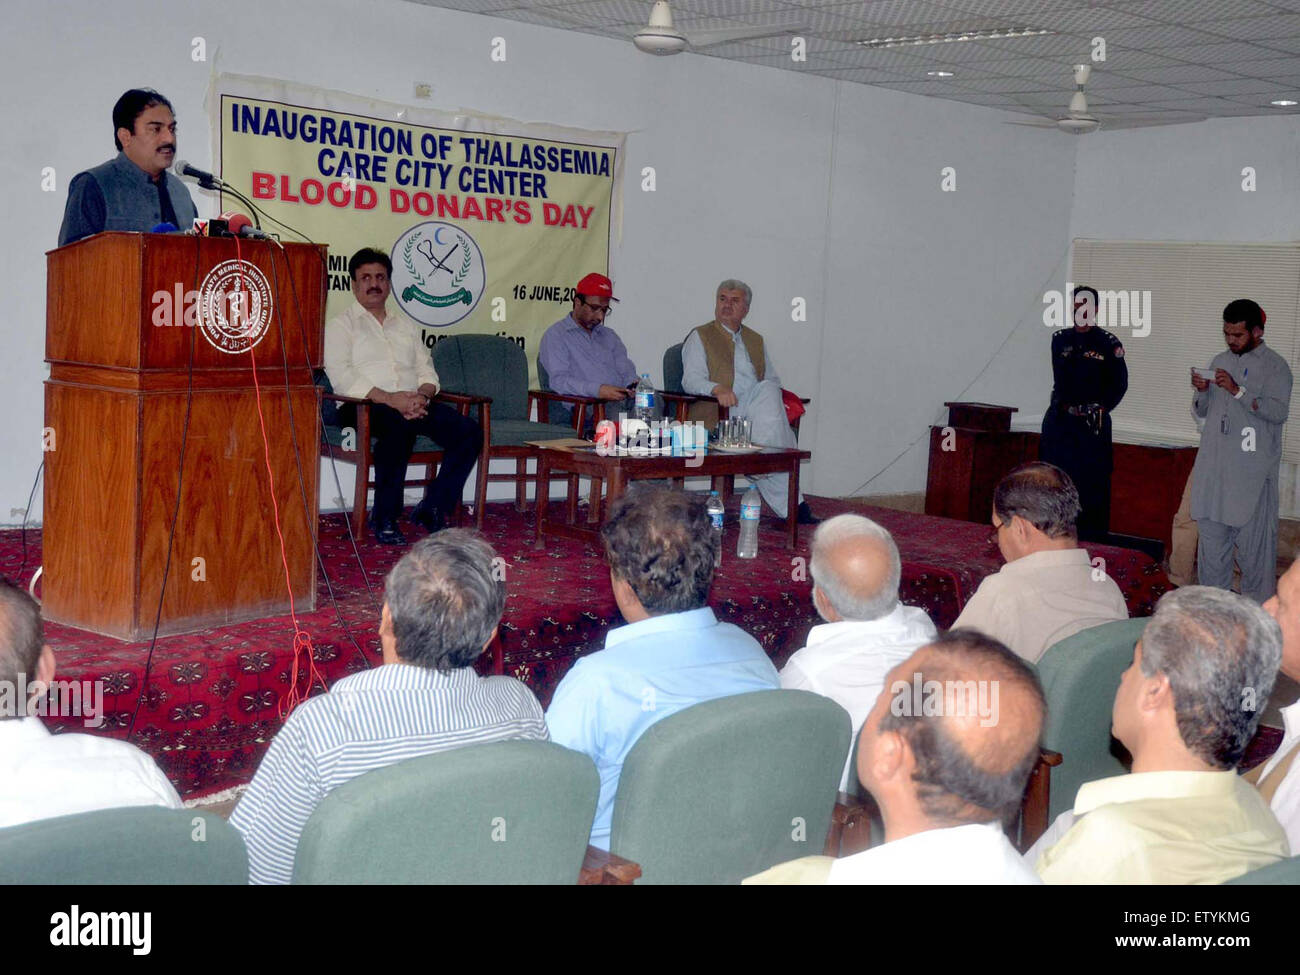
[[1234, 482]]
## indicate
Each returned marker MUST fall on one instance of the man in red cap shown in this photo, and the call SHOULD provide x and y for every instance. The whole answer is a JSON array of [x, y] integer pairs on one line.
[[582, 355]]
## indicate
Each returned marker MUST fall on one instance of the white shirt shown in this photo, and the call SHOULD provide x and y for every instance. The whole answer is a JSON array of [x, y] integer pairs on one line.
[[1286, 800], [978, 853], [848, 661], [1041, 599], [44, 775], [361, 354]]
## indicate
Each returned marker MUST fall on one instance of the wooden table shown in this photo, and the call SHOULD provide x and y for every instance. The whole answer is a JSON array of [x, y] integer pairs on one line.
[[617, 471]]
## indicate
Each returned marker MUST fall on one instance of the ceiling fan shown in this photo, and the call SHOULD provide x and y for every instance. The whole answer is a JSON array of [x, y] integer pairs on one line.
[[1078, 120], [661, 37]]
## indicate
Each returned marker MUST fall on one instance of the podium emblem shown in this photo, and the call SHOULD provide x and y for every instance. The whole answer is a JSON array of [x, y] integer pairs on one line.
[[438, 273], [234, 306]]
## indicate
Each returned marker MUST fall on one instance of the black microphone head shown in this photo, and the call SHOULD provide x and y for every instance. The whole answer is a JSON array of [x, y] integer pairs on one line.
[[180, 166]]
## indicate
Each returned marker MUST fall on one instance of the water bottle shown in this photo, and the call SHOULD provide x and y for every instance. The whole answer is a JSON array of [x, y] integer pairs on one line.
[[751, 507], [645, 399], [716, 514]]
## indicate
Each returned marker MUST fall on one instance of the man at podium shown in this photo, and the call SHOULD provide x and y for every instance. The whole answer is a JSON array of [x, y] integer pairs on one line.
[[133, 191]]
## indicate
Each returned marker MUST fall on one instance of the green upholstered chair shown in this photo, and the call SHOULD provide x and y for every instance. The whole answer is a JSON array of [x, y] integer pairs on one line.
[[492, 372], [1283, 873], [134, 845], [1080, 676], [730, 787], [512, 812], [357, 447]]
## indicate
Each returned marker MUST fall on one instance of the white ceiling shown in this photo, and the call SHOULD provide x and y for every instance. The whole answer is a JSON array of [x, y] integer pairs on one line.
[[1167, 61]]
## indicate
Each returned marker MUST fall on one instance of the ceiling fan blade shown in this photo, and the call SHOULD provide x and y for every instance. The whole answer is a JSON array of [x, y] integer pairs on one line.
[[708, 38], [1146, 121], [1042, 124]]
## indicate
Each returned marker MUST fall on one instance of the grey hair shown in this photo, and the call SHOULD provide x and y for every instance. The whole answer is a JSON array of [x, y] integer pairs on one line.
[[732, 284], [1220, 652], [444, 600], [846, 595]]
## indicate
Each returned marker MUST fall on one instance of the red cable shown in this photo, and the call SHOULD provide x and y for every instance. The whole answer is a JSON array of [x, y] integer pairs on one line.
[[301, 640]]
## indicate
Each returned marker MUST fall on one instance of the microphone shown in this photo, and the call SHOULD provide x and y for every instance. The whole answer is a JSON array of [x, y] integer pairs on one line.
[[205, 179], [241, 226], [166, 227]]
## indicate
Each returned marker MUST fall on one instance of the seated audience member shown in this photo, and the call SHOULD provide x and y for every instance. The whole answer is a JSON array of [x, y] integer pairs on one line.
[[1048, 589], [44, 775], [856, 571], [442, 605], [945, 774], [1186, 709], [1278, 779], [672, 653]]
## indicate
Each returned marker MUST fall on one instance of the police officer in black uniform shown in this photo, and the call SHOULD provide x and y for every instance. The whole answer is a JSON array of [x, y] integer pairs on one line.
[[1089, 380]]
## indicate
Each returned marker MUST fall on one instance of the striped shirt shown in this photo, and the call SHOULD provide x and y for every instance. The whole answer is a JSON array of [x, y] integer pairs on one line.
[[368, 721]]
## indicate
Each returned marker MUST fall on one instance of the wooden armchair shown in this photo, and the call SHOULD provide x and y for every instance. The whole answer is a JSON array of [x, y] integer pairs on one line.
[[358, 450], [493, 372]]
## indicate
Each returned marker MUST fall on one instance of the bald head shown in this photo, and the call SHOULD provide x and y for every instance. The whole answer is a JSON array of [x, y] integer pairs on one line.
[[856, 565], [971, 712]]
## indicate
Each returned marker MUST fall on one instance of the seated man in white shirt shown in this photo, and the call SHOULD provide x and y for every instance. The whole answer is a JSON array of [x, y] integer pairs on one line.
[[727, 359], [44, 775], [376, 354], [1049, 589], [1186, 709], [856, 571], [1278, 779], [946, 752]]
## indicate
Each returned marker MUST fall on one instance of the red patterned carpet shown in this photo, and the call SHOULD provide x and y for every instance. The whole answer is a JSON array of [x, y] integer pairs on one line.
[[211, 699]]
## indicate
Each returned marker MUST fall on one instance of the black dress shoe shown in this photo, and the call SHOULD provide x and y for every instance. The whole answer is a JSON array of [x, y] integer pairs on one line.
[[430, 517], [387, 533], [805, 516]]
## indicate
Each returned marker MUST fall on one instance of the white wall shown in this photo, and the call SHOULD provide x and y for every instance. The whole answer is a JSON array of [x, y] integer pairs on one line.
[[1184, 182], [802, 186]]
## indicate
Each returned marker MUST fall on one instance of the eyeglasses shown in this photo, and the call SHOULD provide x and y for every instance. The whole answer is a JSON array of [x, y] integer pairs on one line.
[[605, 310]]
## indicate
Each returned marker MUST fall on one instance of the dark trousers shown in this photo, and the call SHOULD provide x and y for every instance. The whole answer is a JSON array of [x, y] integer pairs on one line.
[[459, 437], [1071, 443]]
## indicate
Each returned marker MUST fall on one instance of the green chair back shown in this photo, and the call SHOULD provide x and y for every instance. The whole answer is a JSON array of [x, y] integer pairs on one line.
[[119, 847], [1080, 676], [673, 369], [485, 365], [727, 788], [507, 812], [1283, 873]]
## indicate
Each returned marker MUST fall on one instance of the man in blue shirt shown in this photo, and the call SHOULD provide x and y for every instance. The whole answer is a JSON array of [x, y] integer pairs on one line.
[[672, 653], [583, 356], [133, 191]]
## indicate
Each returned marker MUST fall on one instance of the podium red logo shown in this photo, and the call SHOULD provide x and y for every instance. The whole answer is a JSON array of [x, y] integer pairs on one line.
[[235, 306]]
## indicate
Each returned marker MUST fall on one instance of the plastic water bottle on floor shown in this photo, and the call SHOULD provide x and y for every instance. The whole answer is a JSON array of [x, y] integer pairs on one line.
[[751, 507], [716, 515], [645, 399]]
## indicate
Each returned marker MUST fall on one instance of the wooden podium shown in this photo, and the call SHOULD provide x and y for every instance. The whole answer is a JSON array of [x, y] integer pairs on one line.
[[134, 322]]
